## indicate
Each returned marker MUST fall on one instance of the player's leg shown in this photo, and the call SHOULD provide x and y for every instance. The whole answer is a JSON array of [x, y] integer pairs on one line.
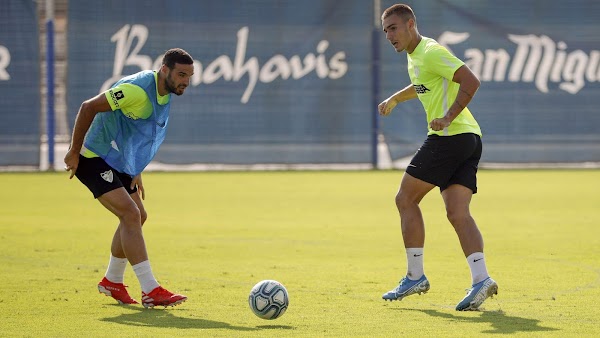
[[414, 186], [128, 241], [422, 174], [120, 203], [116, 247], [457, 194], [101, 179], [427, 169], [152, 293], [118, 259], [142, 269], [457, 199], [126, 207], [411, 192], [115, 272]]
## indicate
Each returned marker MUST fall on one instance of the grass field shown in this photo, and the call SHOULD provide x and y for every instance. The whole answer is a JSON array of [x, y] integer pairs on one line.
[[332, 238]]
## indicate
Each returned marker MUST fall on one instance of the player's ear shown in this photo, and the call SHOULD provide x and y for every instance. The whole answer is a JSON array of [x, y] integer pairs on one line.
[[164, 69]]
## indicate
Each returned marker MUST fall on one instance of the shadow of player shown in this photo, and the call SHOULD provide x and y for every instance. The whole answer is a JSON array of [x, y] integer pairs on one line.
[[166, 319], [500, 322]]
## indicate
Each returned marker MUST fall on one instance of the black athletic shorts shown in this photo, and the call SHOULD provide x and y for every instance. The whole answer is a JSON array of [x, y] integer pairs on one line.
[[447, 160], [101, 178]]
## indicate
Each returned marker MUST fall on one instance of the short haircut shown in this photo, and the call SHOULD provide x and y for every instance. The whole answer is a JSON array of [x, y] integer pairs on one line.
[[402, 10], [177, 55]]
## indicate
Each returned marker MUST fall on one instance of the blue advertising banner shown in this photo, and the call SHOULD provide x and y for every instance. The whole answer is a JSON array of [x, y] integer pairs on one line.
[[539, 66], [293, 82], [19, 84], [274, 81]]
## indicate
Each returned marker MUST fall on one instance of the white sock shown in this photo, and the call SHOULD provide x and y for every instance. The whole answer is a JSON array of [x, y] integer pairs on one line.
[[116, 269], [145, 276], [477, 265], [414, 259]]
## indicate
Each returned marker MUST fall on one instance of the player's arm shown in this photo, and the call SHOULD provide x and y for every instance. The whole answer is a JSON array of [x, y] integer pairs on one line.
[[469, 83], [83, 120], [405, 94]]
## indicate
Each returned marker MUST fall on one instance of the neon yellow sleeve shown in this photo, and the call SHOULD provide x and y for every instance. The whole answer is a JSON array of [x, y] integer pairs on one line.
[[130, 99], [442, 62]]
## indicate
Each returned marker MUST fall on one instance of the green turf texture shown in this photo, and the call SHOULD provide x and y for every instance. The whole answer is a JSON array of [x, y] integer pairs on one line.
[[332, 238]]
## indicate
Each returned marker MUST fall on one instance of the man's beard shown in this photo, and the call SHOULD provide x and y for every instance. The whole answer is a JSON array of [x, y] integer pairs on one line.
[[171, 86]]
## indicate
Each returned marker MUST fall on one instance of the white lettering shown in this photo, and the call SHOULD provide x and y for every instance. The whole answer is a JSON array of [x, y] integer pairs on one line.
[[451, 38], [124, 39], [322, 69], [574, 72], [310, 62], [496, 63], [197, 77], [275, 67], [541, 79], [474, 60], [592, 72], [4, 62], [525, 45], [241, 67], [559, 62], [537, 58], [337, 66], [221, 67], [278, 66]]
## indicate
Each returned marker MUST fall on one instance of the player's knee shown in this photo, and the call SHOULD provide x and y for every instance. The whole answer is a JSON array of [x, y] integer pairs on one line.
[[458, 217], [131, 216], [403, 201], [143, 216]]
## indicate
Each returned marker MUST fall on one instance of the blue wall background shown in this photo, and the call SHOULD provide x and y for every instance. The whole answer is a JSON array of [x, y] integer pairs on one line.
[[19, 84], [322, 115], [526, 113], [291, 82]]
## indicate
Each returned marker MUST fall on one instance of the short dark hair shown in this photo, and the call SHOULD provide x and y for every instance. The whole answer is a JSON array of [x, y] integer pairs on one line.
[[402, 10], [177, 55]]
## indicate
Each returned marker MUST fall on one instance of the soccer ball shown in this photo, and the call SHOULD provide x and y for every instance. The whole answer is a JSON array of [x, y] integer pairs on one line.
[[268, 299]]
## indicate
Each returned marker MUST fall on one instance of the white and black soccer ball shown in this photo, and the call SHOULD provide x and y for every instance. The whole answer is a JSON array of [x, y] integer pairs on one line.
[[268, 299]]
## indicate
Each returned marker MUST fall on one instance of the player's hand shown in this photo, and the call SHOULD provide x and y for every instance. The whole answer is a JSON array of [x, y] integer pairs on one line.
[[71, 162], [137, 180], [386, 106], [439, 124]]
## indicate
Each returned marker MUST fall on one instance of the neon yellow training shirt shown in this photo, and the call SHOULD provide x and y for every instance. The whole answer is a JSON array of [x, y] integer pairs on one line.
[[431, 68], [133, 101]]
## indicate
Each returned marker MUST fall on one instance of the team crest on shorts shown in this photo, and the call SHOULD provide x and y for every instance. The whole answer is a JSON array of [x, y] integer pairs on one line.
[[107, 176]]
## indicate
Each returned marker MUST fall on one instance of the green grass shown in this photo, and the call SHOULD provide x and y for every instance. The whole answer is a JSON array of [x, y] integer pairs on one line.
[[332, 238]]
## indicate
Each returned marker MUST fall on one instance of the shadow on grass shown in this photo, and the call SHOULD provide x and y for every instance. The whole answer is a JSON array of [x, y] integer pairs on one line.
[[166, 319], [275, 327], [501, 323]]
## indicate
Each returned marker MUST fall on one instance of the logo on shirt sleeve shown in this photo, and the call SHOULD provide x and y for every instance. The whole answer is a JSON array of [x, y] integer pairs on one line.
[[119, 95], [116, 96]]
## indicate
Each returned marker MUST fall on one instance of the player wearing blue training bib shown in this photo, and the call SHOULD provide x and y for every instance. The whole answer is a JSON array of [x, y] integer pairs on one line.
[[116, 135]]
